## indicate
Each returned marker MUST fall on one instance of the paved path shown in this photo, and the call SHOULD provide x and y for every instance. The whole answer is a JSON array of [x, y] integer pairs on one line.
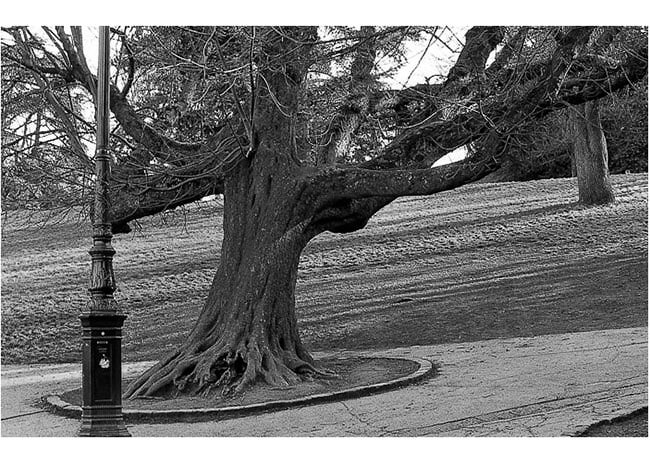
[[550, 385]]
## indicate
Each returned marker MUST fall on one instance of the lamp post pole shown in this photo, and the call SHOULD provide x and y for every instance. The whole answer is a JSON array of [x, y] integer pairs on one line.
[[102, 320]]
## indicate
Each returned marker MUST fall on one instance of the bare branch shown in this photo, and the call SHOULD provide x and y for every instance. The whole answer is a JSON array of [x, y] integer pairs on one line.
[[131, 62]]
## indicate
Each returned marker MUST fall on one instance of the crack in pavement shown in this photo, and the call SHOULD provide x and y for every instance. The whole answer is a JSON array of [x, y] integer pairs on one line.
[[381, 429], [491, 418], [581, 350], [23, 415]]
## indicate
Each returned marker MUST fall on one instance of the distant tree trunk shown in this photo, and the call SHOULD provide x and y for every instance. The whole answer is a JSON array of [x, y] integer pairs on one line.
[[590, 151], [574, 170]]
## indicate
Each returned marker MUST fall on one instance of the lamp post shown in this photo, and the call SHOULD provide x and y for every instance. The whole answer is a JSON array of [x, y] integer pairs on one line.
[[102, 320]]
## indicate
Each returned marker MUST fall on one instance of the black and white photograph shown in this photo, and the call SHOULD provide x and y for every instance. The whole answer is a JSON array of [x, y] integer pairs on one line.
[[303, 229]]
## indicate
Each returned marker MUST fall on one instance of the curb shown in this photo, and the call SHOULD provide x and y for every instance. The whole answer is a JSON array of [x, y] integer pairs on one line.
[[426, 369]]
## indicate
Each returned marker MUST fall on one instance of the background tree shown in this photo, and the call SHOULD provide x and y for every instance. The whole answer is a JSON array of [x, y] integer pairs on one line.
[[590, 151], [229, 110], [544, 148]]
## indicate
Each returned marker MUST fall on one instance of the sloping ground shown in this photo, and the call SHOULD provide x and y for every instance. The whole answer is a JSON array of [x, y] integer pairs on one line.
[[484, 261]]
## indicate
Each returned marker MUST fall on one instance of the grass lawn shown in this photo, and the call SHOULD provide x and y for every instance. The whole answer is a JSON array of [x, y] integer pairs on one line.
[[483, 261]]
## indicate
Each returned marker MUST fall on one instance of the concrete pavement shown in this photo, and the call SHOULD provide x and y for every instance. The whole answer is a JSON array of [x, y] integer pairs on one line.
[[551, 385]]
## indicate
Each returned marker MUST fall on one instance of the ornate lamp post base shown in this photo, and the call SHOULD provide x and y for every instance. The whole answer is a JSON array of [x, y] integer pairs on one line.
[[109, 427], [101, 414]]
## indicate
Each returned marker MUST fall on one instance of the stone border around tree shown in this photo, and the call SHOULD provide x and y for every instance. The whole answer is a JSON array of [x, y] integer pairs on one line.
[[427, 369]]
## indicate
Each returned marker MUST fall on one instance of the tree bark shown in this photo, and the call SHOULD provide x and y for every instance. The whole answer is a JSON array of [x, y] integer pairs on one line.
[[590, 151]]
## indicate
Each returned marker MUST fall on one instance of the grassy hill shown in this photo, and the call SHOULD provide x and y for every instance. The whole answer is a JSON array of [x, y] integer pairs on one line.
[[483, 261]]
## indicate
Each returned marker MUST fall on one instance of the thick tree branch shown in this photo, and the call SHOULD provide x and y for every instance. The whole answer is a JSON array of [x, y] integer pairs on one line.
[[142, 188], [77, 40], [128, 205], [355, 183], [480, 41], [337, 138]]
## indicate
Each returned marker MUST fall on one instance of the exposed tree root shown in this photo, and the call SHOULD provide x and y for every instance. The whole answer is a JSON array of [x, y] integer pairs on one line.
[[220, 371]]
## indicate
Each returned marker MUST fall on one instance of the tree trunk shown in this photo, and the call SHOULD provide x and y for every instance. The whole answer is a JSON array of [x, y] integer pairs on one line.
[[590, 151], [247, 330]]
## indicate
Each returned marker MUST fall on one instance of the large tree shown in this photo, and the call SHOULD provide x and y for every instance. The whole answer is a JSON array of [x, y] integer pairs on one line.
[[278, 120]]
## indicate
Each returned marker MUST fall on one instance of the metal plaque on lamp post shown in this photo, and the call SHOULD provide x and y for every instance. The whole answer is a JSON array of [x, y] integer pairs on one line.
[[102, 321]]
